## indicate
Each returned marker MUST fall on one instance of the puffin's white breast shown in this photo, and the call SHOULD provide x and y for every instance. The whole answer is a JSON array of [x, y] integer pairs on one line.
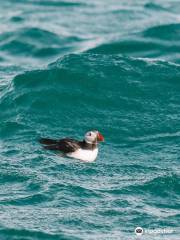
[[84, 155]]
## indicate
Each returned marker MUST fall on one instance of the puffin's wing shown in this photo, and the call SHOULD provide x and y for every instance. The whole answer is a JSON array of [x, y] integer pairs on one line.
[[48, 141], [66, 145]]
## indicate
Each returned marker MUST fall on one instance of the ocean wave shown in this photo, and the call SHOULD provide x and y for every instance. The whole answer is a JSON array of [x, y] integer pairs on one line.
[[155, 6], [162, 186], [150, 43], [168, 32], [165, 185], [15, 234], [128, 46], [53, 3], [138, 86], [36, 42], [35, 199]]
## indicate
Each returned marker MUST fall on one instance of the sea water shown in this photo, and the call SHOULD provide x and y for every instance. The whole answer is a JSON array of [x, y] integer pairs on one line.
[[67, 67]]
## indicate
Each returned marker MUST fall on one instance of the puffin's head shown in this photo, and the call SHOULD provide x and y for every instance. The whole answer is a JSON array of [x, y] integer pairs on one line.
[[93, 137]]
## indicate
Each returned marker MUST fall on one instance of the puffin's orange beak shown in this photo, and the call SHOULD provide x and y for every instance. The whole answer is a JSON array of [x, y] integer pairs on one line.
[[100, 137]]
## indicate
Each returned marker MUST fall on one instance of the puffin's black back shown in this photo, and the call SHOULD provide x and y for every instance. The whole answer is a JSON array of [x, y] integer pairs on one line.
[[66, 145]]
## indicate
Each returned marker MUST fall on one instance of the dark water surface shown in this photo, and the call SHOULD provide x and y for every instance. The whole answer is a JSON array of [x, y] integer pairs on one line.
[[70, 66]]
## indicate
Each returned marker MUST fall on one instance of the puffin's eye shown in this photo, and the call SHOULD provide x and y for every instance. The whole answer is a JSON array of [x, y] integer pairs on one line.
[[89, 134]]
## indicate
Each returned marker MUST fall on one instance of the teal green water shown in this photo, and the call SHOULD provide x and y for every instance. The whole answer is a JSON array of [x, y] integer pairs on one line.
[[70, 66]]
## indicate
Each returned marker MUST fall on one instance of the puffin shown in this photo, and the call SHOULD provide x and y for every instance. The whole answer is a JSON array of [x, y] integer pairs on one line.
[[85, 150]]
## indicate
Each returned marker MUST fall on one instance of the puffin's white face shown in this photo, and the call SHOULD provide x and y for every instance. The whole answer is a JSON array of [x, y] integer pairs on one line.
[[93, 137]]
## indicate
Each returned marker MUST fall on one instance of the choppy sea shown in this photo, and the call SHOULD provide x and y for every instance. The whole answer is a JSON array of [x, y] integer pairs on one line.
[[73, 65]]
